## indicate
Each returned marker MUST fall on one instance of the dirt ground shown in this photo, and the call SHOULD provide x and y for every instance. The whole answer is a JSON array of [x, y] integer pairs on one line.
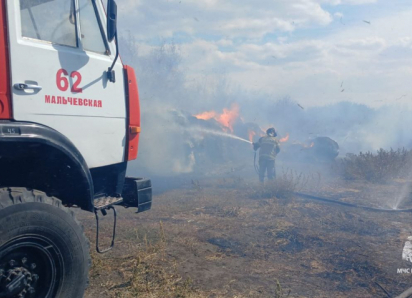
[[225, 237]]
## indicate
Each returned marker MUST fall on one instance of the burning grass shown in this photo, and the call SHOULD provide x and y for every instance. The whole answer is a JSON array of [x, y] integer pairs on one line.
[[378, 167], [227, 119]]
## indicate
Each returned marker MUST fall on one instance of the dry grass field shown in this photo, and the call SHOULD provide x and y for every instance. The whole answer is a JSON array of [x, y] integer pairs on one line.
[[229, 237]]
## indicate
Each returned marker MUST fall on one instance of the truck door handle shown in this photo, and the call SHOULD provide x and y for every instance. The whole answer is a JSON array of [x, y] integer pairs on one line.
[[21, 86]]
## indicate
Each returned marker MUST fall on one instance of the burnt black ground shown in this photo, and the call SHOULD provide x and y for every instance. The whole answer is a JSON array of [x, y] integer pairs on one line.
[[230, 242]]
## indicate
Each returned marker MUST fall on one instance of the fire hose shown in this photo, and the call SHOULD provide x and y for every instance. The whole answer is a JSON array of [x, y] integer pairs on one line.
[[326, 200]]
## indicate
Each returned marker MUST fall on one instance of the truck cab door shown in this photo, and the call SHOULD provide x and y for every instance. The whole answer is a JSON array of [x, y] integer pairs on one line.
[[59, 55]]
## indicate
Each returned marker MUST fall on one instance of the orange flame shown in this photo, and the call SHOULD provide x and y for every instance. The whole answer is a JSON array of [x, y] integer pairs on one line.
[[285, 139], [206, 115], [227, 119], [251, 135], [309, 146]]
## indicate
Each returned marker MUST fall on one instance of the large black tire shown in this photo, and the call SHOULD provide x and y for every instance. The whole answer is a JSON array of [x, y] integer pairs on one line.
[[38, 229]]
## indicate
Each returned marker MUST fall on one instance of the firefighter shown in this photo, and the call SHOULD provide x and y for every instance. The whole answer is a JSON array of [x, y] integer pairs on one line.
[[269, 148]]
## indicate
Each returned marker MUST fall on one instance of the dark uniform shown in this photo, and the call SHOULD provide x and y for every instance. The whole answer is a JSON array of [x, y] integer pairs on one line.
[[269, 148]]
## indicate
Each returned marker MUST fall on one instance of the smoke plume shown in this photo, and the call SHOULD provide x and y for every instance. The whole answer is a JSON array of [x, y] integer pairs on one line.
[[181, 121]]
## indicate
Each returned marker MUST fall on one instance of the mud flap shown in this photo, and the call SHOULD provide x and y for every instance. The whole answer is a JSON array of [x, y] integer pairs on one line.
[[137, 192]]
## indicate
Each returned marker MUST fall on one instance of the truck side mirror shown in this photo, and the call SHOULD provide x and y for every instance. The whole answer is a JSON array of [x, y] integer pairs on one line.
[[111, 20]]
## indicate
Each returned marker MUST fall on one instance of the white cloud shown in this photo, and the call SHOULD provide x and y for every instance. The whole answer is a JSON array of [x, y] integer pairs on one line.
[[228, 18], [349, 2], [255, 27], [231, 38], [225, 43], [368, 44], [357, 2], [208, 4], [405, 41]]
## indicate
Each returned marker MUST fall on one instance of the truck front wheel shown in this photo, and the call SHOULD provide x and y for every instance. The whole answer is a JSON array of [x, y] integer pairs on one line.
[[43, 250]]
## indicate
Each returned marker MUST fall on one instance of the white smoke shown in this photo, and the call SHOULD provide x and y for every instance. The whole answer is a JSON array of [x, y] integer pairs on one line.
[[167, 146]]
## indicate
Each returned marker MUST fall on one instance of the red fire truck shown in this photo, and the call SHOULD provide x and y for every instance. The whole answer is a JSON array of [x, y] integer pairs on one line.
[[69, 125]]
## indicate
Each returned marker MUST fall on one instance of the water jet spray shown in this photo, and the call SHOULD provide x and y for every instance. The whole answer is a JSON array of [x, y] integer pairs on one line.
[[216, 133]]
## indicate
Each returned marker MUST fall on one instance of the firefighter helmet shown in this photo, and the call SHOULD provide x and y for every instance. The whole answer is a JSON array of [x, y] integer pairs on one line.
[[271, 131]]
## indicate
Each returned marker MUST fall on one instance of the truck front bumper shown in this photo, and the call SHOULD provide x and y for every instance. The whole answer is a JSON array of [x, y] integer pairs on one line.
[[137, 192]]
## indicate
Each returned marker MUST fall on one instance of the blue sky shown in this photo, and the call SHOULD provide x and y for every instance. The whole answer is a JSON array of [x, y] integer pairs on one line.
[[316, 51]]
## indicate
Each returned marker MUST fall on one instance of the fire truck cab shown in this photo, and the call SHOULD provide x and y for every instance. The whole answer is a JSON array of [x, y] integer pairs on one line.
[[69, 125]]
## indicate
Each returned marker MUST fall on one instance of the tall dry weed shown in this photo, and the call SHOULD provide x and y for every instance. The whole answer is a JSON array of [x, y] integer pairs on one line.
[[284, 186], [376, 167]]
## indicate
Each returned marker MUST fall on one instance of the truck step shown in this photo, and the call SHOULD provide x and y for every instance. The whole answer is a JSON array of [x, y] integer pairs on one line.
[[104, 202]]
